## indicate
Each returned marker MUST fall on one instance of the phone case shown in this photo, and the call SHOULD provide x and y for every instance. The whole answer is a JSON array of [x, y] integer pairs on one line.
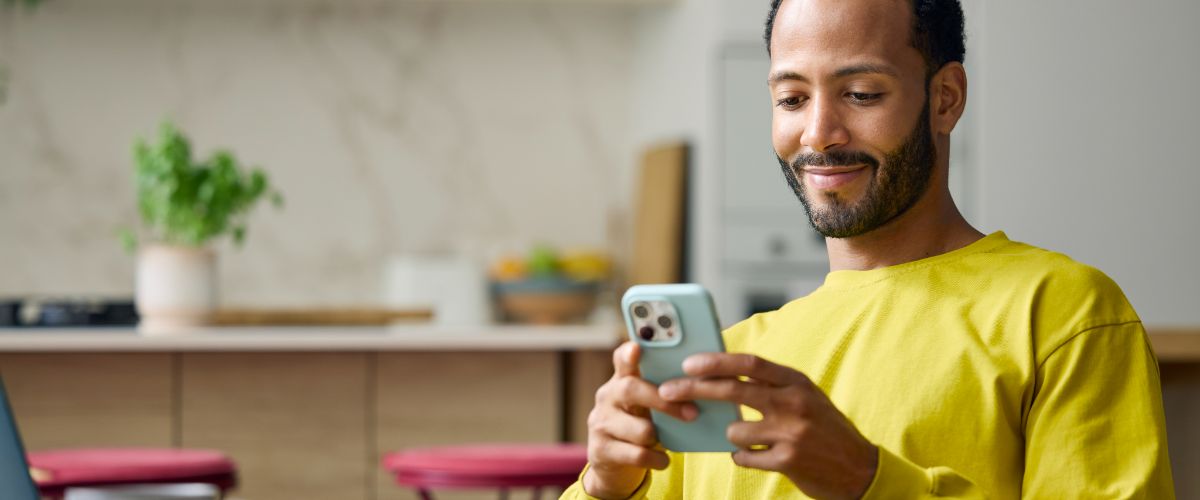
[[699, 332]]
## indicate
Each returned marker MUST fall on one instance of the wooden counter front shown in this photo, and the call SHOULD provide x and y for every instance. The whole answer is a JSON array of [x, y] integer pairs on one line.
[[306, 413]]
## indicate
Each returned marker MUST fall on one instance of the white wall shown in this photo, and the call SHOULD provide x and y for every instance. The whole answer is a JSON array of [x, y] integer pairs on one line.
[[1087, 126], [391, 127]]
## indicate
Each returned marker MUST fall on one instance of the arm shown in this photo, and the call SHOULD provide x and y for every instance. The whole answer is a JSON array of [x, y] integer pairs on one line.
[[1095, 428], [1096, 425]]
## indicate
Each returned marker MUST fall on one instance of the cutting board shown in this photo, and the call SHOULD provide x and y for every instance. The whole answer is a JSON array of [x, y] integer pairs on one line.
[[659, 217], [318, 317]]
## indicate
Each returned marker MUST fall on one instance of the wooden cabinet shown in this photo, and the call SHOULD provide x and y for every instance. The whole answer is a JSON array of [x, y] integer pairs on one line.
[[453, 398], [303, 424], [295, 423], [101, 399]]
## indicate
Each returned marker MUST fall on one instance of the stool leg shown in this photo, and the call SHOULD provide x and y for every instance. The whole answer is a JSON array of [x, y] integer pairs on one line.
[[503, 493], [537, 493], [425, 494]]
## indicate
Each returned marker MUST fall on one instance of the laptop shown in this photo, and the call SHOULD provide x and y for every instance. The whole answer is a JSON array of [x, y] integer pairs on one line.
[[15, 482]]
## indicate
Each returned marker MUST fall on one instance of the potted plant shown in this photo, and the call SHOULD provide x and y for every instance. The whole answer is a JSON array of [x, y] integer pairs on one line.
[[184, 206]]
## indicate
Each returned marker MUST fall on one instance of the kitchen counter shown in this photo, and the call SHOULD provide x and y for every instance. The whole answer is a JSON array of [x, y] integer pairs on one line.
[[1176, 345], [400, 337], [1172, 345]]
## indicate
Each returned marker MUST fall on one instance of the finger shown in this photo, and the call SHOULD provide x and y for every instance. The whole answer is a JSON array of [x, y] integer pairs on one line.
[[766, 459], [628, 428], [748, 435], [754, 395], [614, 452], [718, 364], [625, 359], [634, 395]]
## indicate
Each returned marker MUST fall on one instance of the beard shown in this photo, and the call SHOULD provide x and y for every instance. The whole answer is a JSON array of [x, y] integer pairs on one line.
[[896, 183]]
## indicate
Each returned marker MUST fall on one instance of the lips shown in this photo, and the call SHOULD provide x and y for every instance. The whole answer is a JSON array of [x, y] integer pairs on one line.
[[832, 177]]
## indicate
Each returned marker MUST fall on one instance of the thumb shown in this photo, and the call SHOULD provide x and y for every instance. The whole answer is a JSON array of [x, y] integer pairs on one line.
[[625, 359]]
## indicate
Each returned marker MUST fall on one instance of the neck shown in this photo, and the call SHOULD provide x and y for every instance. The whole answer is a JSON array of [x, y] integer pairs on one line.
[[932, 226]]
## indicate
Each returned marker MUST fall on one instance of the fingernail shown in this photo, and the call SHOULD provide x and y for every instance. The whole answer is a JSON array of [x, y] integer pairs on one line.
[[694, 363]]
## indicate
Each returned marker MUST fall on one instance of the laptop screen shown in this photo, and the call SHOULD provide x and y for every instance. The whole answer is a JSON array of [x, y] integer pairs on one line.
[[15, 482]]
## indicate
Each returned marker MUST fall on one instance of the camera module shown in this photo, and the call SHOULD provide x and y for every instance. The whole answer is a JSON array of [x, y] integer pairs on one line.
[[664, 321], [646, 332], [640, 311]]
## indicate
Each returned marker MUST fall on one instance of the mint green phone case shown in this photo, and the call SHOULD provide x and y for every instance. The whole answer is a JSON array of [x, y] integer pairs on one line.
[[698, 331]]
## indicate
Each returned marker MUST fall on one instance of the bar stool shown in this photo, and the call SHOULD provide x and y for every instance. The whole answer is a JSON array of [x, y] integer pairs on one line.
[[57, 470], [490, 466]]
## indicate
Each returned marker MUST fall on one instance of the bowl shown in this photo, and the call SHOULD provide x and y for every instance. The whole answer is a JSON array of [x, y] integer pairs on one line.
[[549, 300]]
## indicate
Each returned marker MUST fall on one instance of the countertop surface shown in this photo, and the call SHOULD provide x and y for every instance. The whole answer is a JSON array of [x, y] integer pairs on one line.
[[1171, 345], [1176, 345], [401, 337]]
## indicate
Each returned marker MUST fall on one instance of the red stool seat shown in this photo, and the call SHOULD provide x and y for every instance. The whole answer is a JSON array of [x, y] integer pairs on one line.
[[499, 466], [114, 466]]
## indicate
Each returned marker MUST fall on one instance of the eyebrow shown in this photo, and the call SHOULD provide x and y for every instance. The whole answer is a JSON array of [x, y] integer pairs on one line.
[[857, 69]]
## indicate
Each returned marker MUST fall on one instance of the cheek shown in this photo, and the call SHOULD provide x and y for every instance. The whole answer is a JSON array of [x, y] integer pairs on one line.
[[786, 132], [879, 131]]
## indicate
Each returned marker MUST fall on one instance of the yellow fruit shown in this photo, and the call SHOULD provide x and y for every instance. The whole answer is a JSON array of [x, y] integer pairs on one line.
[[586, 265], [508, 269]]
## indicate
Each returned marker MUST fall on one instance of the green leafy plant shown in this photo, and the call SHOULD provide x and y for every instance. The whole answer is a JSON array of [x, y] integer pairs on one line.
[[186, 203]]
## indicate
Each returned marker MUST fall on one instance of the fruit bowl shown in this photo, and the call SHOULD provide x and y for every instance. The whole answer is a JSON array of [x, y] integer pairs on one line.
[[546, 300]]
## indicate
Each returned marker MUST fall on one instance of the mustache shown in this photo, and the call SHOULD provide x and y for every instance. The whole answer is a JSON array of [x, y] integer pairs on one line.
[[833, 159]]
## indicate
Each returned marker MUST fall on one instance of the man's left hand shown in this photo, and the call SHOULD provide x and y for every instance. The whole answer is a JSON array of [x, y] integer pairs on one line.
[[801, 435]]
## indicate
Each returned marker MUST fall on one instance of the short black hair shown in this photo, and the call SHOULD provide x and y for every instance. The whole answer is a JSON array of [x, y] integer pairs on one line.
[[938, 31]]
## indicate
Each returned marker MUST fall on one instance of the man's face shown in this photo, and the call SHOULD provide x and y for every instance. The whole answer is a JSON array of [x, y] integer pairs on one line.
[[851, 113]]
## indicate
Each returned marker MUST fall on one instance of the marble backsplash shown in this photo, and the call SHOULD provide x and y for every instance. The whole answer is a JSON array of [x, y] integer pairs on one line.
[[391, 128]]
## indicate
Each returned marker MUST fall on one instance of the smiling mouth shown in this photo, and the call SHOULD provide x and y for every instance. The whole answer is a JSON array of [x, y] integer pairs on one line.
[[829, 178]]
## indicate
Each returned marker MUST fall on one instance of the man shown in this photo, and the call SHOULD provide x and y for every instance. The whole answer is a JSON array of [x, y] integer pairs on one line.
[[934, 361]]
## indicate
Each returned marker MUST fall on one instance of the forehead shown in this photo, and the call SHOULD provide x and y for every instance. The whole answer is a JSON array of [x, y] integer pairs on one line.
[[809, 34]]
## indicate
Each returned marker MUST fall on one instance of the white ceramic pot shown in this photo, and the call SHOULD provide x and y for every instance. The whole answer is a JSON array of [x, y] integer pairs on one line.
[[176, 288]]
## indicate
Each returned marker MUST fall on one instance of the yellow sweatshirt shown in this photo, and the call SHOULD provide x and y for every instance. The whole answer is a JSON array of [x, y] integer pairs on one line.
[[998, 370]]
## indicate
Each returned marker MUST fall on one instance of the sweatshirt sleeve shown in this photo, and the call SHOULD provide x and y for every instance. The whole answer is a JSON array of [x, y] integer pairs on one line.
[[897, 477], [659, 484], [1096, 426]]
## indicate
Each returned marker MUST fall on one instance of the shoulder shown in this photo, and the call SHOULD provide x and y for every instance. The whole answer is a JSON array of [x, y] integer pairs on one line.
[[1061, 296], [1055, 281]]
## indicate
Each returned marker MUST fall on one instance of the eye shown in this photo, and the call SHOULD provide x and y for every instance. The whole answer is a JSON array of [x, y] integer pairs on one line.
[[790, 102], [863, 97]]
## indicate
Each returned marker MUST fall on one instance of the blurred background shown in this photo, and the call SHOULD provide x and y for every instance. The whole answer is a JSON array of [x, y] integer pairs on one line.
[[412, 133]]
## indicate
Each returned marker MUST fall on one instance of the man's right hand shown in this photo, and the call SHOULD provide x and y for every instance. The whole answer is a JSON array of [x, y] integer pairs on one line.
[[621, 439]]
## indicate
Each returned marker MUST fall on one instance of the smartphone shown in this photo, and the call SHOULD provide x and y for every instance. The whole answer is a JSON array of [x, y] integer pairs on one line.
[[672, 322]]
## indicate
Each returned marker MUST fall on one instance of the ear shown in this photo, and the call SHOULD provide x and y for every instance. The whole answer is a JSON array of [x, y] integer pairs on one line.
[[947, 97]]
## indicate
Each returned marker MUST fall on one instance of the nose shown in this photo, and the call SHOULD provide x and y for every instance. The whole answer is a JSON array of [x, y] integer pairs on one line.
[[824, 129]]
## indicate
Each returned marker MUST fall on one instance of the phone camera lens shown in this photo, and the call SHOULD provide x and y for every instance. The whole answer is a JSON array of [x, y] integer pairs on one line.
[[664, 321], [640, 311], [646, 332]]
